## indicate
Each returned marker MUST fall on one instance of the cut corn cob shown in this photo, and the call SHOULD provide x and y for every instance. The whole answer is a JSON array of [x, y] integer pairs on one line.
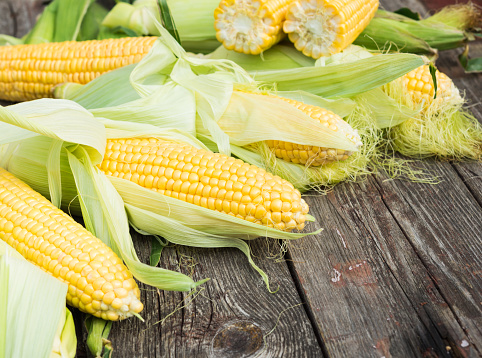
[[31, 71], [325, 27], [207, 179], [98, 282], [250, 26], [419, 85], [313, 155]]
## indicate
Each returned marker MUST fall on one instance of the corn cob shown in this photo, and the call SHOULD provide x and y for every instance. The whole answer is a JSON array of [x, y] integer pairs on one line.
[[313, 155], [207, 179], [250, 26], [419, 85], [325, 27], [32, 71], [98, 282]]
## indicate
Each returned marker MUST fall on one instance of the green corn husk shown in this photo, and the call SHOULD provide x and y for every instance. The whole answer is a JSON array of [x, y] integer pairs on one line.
[[194, 21], [220, 114], [444, 129], [63, 167], [34, 320], [449, 28], [91, 22]]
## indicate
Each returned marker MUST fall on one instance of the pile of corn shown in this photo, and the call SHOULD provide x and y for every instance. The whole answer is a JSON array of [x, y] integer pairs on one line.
[[320, 113]]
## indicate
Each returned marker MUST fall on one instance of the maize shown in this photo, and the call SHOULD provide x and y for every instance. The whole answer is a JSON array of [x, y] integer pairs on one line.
[[211, 180], [313, 155], [32, 71], [98, 282], [419, 85], [325, 27], [250, 26]]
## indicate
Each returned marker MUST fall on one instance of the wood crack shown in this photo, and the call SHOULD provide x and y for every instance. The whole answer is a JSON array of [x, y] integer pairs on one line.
[[451, 343], [309, 312]]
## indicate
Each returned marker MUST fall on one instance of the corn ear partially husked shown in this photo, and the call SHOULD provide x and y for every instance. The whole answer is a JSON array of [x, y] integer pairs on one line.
[[32, 71], [442, 127], [99, 283], [206, 179], [314, 155], [250, 26], [325, 27]]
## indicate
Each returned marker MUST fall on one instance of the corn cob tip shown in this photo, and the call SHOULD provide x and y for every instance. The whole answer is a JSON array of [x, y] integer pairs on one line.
[[314, 155], [98, 282]]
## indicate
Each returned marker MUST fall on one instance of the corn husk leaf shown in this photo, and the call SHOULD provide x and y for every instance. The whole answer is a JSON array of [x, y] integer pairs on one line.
[[91, 22], [34, 319], [344, 79], [44, 29], [194, 21], [69, 16]]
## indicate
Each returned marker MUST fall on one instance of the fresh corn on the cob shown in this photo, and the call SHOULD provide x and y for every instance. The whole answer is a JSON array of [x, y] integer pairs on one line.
[[313, 155], [250, 26], [325, 27], [207, 179], [98, 282], [419, 85], [32, 71]]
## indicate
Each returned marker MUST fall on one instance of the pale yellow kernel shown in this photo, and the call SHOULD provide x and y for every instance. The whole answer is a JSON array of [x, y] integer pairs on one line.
[[116, 303], [108, 297]]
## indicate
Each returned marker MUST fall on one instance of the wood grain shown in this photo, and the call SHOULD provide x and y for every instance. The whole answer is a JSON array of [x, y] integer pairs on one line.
[[232, 315]]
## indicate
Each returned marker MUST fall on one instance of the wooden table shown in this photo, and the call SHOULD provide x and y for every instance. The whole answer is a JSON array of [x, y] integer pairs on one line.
[[395, 273]]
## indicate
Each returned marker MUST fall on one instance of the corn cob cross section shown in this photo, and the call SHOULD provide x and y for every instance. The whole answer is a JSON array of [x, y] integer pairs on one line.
[[32, 71], [313, 155], [325, 27], [207, 179], [98, 282], [250, 26]]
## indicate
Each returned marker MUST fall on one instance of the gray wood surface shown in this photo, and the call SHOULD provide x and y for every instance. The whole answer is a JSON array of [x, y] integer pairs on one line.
[[396, 272]]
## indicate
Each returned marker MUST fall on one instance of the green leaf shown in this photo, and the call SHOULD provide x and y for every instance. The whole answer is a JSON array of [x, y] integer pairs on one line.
[[433, 71], [168, 20], [70, 14], [471, 65], [405, 11], [98, 332], [90, 27], [156, 250]]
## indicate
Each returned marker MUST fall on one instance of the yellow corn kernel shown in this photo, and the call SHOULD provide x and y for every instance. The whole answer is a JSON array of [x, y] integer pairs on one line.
[[325, 27], [211, 166], [16, 196], [32, 71], [250, 26]]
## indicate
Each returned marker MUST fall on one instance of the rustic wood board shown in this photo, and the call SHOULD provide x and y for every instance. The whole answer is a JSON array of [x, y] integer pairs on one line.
[[232, 315]]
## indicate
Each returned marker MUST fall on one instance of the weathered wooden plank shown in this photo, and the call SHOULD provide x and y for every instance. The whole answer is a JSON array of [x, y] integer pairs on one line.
[[369, 292], [232, 315], [18, 17]]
